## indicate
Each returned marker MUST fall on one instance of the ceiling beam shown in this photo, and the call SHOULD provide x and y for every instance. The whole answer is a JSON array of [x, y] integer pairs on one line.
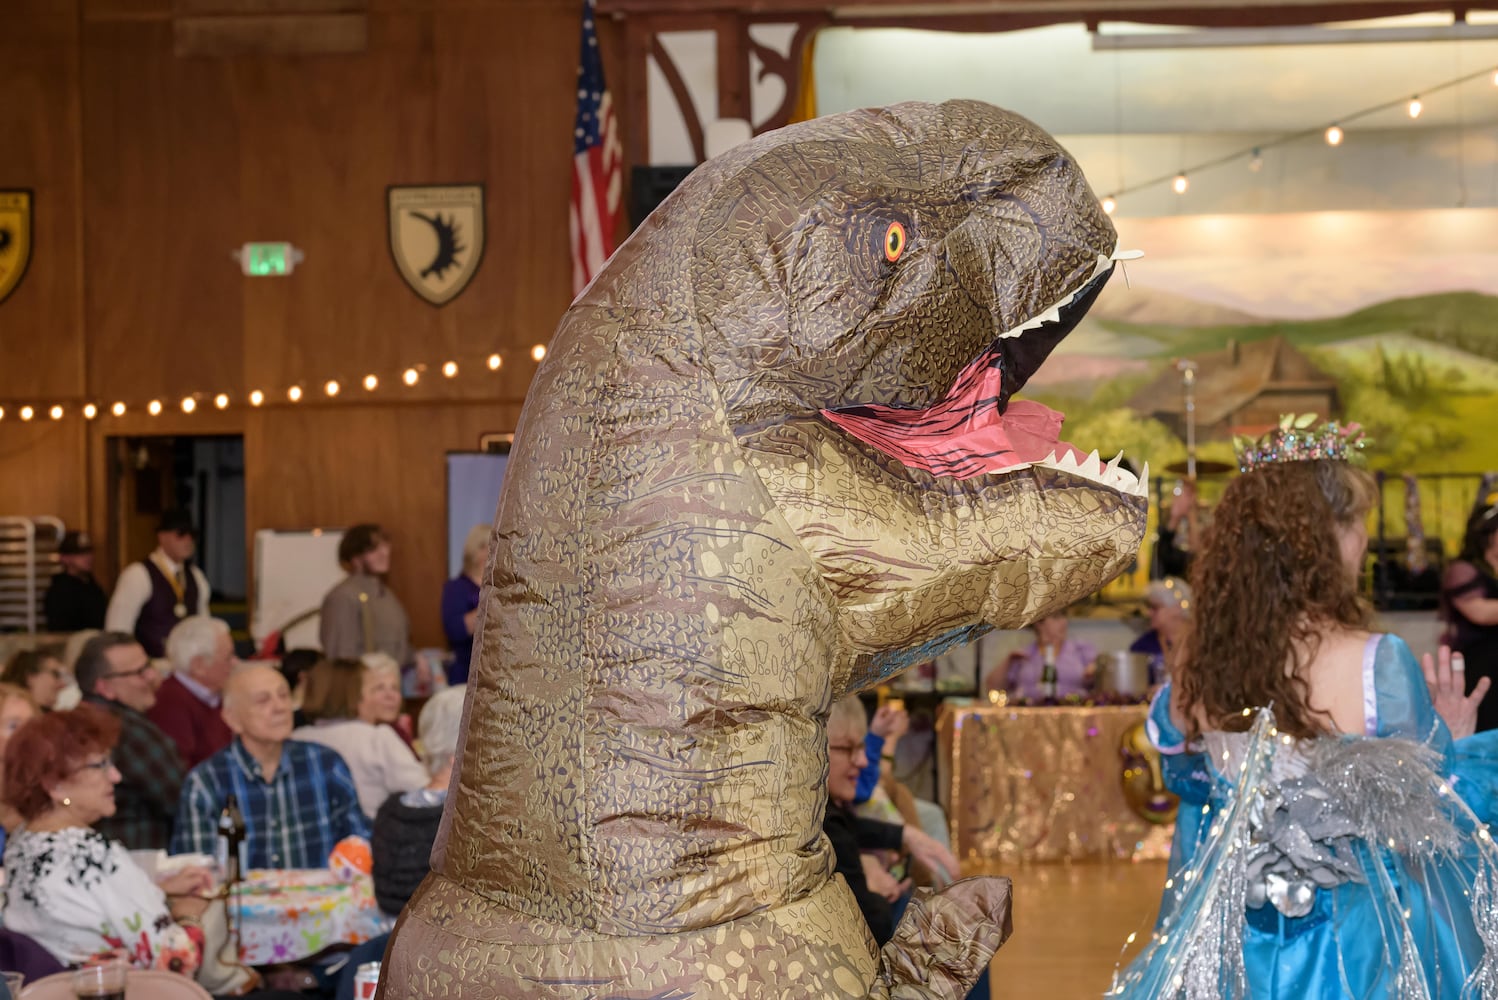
[[1011, 15]]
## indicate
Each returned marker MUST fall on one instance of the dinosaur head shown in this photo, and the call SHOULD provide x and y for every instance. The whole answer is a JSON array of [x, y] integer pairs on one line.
[[875, 288]]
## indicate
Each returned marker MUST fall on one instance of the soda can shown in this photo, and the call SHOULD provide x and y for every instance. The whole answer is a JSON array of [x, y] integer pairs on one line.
[[366, 979]]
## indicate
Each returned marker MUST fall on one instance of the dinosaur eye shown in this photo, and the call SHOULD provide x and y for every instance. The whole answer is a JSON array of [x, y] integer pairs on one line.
[[894, 241]]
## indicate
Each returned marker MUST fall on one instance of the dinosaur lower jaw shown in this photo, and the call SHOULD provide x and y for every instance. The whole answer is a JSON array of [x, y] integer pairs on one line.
[[964, 435]]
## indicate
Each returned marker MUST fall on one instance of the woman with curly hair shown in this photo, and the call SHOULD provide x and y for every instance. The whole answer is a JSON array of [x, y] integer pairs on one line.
[[1469, 604], [1321, 853]]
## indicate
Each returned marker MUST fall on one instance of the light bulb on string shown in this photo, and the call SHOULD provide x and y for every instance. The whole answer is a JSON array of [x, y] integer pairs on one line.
[[294, 394], [154, 407], [27, 413], [1415, 107], [410, 375], [90, 411], [221, 401], [1334, 135], [494, 362], [1109, 205], [55, 413], [189, 404], [1180, 184], [332, 388], [118, 409], [1256, 160], [450, 369], [371, 383], [538, 352], [257, 397]]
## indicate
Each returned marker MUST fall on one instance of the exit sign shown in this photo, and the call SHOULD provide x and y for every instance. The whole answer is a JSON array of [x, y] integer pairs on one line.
[[259, 260]]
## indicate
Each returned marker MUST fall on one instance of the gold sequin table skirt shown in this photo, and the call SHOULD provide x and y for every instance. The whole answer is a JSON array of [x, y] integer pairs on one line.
[[1040, 784]]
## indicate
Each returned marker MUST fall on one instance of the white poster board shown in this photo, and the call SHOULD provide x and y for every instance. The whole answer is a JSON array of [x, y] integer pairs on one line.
[[294, 570]]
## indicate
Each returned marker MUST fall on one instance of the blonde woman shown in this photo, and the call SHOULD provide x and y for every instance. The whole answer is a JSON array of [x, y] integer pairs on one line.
[[346, 702], [460, 602]]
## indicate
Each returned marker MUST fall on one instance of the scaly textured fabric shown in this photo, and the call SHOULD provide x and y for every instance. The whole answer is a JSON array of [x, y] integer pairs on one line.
[[770, 458]]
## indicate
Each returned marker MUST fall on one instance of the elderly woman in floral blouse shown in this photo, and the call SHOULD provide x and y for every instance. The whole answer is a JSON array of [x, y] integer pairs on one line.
[[67, 887]]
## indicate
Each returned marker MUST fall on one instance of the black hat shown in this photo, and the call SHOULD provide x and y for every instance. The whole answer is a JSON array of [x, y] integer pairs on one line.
[[75, 543], [178, 522]]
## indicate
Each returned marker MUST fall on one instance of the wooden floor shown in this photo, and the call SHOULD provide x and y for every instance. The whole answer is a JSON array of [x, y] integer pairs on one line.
[[1070, 925]]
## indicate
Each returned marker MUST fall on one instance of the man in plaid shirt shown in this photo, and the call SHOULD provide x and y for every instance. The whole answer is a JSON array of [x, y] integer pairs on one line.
[[298, 799], [114, 674]]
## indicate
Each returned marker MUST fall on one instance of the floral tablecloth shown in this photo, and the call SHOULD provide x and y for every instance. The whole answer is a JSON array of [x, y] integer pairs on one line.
[[290, 915]]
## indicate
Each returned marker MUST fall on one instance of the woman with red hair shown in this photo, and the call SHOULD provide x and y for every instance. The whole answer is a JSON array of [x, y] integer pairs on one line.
[[66, 886]]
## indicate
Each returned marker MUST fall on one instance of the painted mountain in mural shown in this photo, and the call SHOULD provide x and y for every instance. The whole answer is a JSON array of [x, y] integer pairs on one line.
[[1420, 371]]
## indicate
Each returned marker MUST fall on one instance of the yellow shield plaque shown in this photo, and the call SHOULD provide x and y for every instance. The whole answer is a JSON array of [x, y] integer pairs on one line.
[[15, 239], [437, 237]]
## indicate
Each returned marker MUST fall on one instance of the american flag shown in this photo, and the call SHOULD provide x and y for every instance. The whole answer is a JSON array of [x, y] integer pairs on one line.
[[597, 174]]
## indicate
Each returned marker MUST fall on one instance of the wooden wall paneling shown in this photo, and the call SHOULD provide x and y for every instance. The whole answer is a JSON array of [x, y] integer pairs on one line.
[[339, 465], [162, 205], [41, 332], [321, 139], [42, 469], [502, 74]]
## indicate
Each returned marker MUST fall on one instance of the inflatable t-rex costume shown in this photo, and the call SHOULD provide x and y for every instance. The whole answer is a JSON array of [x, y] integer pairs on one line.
[[770, 459]]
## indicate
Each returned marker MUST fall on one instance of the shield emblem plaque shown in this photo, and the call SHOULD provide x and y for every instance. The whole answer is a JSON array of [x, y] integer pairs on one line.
[[15, 238], [436, 237]]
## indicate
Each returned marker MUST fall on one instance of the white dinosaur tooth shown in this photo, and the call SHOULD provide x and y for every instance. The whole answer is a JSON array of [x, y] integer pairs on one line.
[[1092, 466], [1144, 482], [1113, 464], [1068, 460]]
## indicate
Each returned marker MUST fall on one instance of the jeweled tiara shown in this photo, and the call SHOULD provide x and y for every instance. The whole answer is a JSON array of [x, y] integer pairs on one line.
[[1301, 439]]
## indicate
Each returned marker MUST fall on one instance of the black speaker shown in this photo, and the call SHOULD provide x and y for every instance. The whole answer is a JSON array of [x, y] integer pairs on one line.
[[649, 186]]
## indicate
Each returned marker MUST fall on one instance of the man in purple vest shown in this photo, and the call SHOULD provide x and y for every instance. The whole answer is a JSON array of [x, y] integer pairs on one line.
[[153, 595]]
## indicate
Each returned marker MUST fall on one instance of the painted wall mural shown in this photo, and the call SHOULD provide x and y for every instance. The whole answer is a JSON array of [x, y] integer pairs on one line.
[[1388, 318]]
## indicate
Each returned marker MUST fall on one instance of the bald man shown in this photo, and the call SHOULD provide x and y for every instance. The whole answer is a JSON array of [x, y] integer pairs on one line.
[[298, 799]]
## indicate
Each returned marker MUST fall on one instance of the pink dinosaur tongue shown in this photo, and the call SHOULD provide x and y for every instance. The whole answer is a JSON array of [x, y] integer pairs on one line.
[[964, 435]]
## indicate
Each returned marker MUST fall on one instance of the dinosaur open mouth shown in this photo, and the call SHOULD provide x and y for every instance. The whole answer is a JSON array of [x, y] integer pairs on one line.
[[974, 430]]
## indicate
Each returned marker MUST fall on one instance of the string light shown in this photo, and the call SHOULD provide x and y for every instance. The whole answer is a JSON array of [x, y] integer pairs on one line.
[[1109, 205], [1415, 106], [1332, 133], [451, 368], [1180, 184]]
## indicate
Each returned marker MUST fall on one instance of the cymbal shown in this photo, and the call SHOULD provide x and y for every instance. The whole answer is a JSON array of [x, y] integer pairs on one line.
[[1204, 467]]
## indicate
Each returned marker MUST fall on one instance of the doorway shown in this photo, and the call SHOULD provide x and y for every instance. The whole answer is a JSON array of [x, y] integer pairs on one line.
[[201, 474]]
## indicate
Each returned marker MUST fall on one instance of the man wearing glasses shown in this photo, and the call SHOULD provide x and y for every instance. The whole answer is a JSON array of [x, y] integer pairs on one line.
[[114, 674]]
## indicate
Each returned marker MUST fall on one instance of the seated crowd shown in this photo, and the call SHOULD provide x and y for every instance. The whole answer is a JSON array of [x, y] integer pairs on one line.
[[148, 762]]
